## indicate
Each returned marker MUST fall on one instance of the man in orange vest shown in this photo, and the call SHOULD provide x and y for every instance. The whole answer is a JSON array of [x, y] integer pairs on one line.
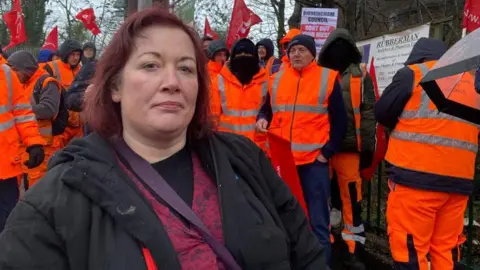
[[65, 70], [217, 53], [284, 43], [17, 126], [431, 163], [308, 110], [268, 61], [238, 92], [340, 53], [45, 95]]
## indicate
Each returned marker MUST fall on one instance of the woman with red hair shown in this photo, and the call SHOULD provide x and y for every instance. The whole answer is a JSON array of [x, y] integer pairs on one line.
[[153, 186]]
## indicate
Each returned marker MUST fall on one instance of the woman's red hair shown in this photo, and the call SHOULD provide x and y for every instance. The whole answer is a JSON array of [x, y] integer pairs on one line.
[[102, 114]]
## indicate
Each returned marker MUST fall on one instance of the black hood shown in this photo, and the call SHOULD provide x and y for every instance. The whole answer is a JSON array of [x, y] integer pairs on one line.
[[426, 49], [331, 57], [268, 44], [91, 46], [68, 47]]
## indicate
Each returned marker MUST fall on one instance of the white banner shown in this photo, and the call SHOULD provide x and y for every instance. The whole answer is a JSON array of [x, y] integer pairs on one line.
[[390, 52], [319, 23]]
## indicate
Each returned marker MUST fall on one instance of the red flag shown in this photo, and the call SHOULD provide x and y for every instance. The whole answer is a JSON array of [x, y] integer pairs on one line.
[[471, 15], [14, 21], [381, 139], [283, 162], [242, 19], [208, 32], [51, 42], [87, 17]]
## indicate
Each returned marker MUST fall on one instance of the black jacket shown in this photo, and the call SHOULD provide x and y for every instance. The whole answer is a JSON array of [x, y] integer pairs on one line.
[[73, 218], [76, 92]]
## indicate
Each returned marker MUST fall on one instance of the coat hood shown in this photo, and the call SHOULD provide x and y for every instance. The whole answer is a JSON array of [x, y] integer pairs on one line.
[[329, 54], [215, 47], [24, 62], [290, 34], [68, 47], [91, 46], [426, 49], [268, 44]]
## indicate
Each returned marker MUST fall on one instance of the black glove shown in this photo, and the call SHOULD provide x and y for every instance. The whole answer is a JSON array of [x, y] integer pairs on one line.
[[36, 156]]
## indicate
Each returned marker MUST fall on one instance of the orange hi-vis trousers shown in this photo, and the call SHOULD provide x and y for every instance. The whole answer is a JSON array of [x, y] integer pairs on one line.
[[422, 222], [347, 168]]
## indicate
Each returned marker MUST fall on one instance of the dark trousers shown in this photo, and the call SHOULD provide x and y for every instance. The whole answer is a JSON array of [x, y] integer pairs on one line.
[[8, 198], [315, 180]]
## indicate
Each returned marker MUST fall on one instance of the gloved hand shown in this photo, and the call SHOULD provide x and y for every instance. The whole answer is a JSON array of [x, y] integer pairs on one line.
[[36, 156]]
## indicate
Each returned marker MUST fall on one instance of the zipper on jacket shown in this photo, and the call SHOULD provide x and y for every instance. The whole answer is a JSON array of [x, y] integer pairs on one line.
[[295, 107]]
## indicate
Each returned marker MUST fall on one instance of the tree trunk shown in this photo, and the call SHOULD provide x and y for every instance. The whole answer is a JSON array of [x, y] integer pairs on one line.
[[161, 3], [132, 6]]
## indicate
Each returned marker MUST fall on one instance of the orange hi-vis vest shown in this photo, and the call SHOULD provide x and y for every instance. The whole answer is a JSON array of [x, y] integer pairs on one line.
[[65, 75], [17, 124], [356, 95], [3, 60], [429, 141], [214, 68], [240, 104], [45, 126], [300, 109]]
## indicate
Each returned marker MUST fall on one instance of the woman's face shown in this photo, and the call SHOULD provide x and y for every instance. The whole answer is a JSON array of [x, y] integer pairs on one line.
[[158, 86]]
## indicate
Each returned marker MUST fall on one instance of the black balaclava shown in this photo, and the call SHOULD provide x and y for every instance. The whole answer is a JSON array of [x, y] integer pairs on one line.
[[244, 67]]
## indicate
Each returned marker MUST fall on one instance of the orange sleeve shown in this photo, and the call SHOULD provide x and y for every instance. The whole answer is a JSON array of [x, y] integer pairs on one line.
[[25, 121]]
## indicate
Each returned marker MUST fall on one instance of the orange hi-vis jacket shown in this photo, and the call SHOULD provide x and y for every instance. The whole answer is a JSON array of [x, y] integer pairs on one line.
[[17, 124], [214, 68], [45, 126], [356, 96], [237, 105], [300, 108], [429, 141], [65, 75], [3, 60]]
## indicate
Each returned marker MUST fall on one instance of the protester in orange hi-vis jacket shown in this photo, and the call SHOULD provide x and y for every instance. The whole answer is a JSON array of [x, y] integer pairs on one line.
[[64, 70], [217, 53], [45, 96], [308, 110], [340, 53], [17, 126], [238, 92], [431, 159], [284, 43]]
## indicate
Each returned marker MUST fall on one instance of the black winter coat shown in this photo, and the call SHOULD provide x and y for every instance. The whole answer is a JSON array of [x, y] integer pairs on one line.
[[74, 217]]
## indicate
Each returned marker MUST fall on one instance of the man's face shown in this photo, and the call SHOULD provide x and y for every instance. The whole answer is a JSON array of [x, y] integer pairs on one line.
[[88, 52], [300, 57], [221, 57], [205, 44], [74, 58], [262, 52]]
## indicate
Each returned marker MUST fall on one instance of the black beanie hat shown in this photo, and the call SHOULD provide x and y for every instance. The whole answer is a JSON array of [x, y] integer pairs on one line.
[[244, 45], [304, 40]]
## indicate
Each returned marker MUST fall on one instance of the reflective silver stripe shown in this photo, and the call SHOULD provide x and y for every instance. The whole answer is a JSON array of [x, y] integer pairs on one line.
[[356, 110], [238, 128], [24, 118], [56, 70], [353, 237], [8, 76], [318, 108], [353, 229], [4, 109], [6, 125], [45, 131], [238, 113], [306, 146], [22, 107], [434, 140]]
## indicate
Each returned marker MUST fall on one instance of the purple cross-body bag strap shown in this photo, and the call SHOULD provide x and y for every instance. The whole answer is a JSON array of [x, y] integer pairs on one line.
[[156, 182]]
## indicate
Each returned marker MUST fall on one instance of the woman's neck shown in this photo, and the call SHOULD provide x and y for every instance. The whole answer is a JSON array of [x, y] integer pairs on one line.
[[154, 151]]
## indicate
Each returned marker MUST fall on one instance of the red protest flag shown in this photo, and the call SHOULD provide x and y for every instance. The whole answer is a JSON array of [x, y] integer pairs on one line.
[[381, 139], [87, 17], [51, 42], [471, 15], [14, 22], [282, 160], [242, 19], [208, 32]]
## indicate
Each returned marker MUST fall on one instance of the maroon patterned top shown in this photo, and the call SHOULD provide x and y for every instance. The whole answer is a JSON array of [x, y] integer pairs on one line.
[[193, 251]]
